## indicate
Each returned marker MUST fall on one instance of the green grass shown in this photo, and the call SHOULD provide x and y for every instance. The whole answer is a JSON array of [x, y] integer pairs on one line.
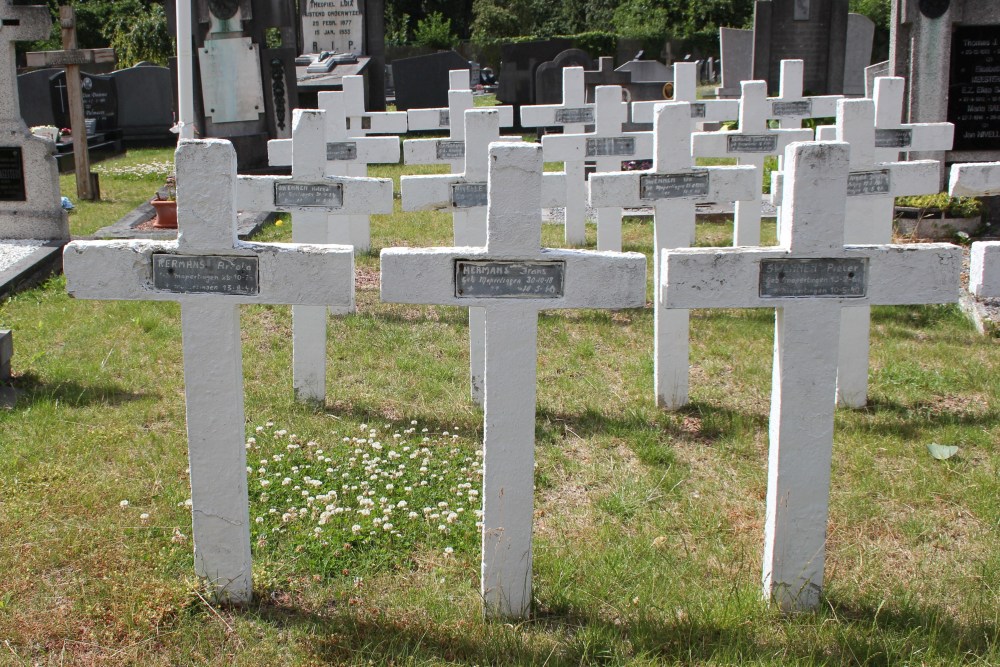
[[648, 529]]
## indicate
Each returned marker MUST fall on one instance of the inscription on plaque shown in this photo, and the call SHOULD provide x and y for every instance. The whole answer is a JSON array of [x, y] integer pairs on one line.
[[835, 277], [450, 150], [444, 118], [206, 274], [893, 138], [974, 91], [868, 183], [698, 110], [603, 146], [751, 143], [524, 280], [321, 195], [673, 186], [578, 115], [342, 150], [796, 109], [11, 174], [468, 195]]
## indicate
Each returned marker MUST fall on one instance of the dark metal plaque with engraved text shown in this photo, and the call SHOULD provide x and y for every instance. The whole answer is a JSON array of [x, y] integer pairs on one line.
[[868, 183], [814, 278], [673, 186], [11, 174], [444, 118], [698, 109], [796, 109], [512, 280], [450, 150], [320, 195], [611, 146], [893, 138], [751, 143], [577, 115], [206, 274], [468, 195], [342, 150]]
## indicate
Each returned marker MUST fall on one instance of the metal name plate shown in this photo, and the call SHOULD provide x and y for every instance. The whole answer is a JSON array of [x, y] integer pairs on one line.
[[444, 118], [366, 123], [11, 174], [752, 143], [673, 186], [578, 115], [868, 183], [893, 138], [320, 195], [796, 109], [511, 280], [468, 195], [611, 146], [450, 150], [342, 150], [698, 109], [805, 278], [206, 274]]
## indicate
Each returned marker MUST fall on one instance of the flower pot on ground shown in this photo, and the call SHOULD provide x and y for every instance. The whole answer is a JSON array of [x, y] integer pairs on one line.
[[165, 205]]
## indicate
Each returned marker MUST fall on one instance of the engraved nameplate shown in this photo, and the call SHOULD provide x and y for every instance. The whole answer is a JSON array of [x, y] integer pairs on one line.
[[606, 146], [320, 195], [444, 118], [698, 109], [796, 109], [342, 150], [868, 182], [837, 277], [11, 174], [205, 274], [893, 138], [578, 115], [752, 143], [516, 280], [450, 150], [673, 186], [468, 195]]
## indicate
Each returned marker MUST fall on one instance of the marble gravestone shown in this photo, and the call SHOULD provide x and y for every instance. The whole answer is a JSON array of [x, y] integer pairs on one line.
[[513, 278], [980, 180], [211, 273], [808, 279], [333, 26]]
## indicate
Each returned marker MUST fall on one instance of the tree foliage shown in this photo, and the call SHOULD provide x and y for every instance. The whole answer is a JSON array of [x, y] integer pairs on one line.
[[435, 32]]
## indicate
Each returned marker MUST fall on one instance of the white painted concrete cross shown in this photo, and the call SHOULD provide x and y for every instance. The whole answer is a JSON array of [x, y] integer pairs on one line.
[[572, 116], [751, 144], [608, 146], [980, 180], [512, 278], [686, 90], [211, 273], [808, 279], [360, 121], [892, 136], [460, 100], [672, 187], [317, 203], [790, 108]]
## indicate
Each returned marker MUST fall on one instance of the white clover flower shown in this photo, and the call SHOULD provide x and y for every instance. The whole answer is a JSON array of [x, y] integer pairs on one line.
[[259, 429], [442, 528], [452, 517], [413, 423], [265, 483], [387, 526], [412, 515], [449, 551], [280, 433], [259, 519], [123, 504], [144, 517], [364, 426], [264, 497]]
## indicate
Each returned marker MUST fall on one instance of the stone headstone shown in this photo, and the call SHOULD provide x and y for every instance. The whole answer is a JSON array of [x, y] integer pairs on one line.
[[518, 65], [736, 47], [35, 92], [145, 103], [857, 53], [100, 100], [549, 75], [872, 72], [422, 81], [811, 30], [333, 26], [647, 70]]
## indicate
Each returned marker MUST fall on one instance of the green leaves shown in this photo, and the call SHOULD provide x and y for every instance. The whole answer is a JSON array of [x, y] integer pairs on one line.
[[942, 452]]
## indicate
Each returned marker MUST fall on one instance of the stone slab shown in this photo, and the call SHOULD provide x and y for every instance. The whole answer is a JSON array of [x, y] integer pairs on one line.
[[28, 263], [249, 225]]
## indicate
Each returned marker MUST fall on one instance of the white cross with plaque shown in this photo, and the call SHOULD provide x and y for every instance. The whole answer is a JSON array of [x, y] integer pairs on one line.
[[893, 136], [319, 204], [211, 273], [980, 180], [790, 108], [18, 23], [672, 187], [751, 144], [459, 101], [360, 121], [513, 278], [686, 90], [608, 146], [808, 279]]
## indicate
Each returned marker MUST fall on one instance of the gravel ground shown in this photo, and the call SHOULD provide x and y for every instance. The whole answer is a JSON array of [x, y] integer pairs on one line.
[[12, 252]]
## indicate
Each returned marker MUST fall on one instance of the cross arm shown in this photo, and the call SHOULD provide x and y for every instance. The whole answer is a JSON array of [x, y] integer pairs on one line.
[[575, 147], [555, 115], [731, 143], [898, 179], [362, 150], [439, 118], [378, 122], [706, 110], [70, 57], [641, 188], [420, 193], [820, 106], [974, 179], [354, 195]]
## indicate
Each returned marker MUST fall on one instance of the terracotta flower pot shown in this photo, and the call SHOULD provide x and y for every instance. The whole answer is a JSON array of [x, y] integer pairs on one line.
[[166, 214]]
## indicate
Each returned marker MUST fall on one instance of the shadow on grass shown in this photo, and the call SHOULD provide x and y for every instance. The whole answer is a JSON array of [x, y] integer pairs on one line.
[[913, 420], [31, 390]]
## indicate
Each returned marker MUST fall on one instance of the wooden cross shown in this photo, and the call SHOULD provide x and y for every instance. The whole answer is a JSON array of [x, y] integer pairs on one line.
[[71, 58], [321, 207], [672, 187], [572, 116], [607, 145], [513, 278], [459, 101], [210, 272], [980, 180], [18, 23], [360, 121], [686, 90], [464, 194], [808, 279], [751, 144]]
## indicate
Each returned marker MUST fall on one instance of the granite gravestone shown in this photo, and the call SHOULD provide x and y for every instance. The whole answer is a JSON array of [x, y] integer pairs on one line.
[[422, 82], [736, 48], [35, 94], [145, 103], [549, 75], [100, 100], [518, 65]]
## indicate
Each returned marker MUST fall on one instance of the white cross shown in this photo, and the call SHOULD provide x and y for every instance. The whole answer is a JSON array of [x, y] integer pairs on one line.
[[893, 136], [319, 204], [210, 272], [980, 180], [17, 24], [790, 107], [672, 186], [465, 195], [686, 90], [459, 101], [572, 116], [752, 143], [361, 122], [808, 279], [512, 278], [608, 146]]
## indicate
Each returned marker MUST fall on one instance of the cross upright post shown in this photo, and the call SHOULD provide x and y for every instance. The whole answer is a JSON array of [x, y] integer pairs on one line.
[[211, 273], [790, 108], [808, 279], [319, 204], [672, 186], [513, 278], [460, 100], [686, 90], [892, 136], [980, 180]]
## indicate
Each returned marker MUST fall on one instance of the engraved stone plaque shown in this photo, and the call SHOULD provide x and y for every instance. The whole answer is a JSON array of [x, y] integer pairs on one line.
[[893, 138], [468, 195], [868, 182], [450, 150], [608, 146], [697, 109], [342, 150], [811, 278], [444, 118], [578, 115], [321, 195], [11, 174], [751, 143], [205, 274], [974, 87], [673, 186], [515, 280], [796, 109]]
